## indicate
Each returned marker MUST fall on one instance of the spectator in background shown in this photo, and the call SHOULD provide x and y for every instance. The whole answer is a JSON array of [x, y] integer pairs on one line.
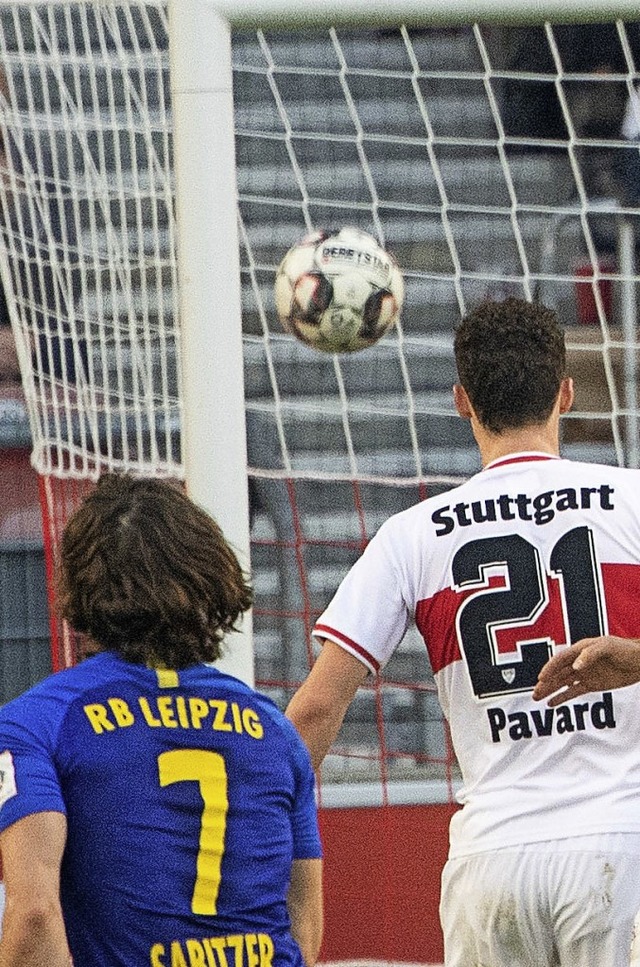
[[630, 164], [532, 107], [152, 808], [594, 105]]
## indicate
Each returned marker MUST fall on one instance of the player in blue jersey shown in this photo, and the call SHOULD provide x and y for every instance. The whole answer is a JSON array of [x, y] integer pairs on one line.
[[153, 810]]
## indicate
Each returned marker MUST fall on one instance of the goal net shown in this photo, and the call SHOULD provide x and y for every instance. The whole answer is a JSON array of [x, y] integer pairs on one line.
[[491, 159]]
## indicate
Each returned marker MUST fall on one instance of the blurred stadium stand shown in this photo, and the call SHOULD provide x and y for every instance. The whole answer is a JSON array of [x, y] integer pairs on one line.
[[25, 655]]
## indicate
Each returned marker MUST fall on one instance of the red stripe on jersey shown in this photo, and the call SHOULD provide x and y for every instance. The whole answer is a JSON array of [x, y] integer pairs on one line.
[[525, 458], [436, 622], [436, 616], [324, 631], [621, 583]]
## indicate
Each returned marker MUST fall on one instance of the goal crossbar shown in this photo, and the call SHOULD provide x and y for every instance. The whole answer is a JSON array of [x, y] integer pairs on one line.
[[285, 14]]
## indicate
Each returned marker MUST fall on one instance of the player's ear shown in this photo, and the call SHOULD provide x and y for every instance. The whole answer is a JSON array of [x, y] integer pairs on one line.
[[566, 394], [462, 401]]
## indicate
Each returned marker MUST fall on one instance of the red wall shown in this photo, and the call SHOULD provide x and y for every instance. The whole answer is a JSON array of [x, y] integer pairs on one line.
[[382, 870], [19, 501]]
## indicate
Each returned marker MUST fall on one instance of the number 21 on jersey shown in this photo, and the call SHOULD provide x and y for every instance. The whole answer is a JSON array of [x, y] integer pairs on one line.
[[514, 613]]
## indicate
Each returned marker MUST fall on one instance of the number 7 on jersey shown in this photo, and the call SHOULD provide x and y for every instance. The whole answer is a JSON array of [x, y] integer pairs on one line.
[[208, 769]]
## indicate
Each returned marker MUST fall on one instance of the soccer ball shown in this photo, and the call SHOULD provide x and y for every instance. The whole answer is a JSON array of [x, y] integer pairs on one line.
[[338, 291]]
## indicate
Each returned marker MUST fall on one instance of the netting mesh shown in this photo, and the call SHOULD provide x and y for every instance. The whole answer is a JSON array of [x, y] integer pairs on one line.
[[490, 160], [88, 232]]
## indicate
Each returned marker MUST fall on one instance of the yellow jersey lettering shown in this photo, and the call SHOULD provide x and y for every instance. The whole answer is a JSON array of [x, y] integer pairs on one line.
[[265, 945], [218, 944], [237, 720], [177, 957], [196, 953], [99, 718], [251, 942], [236, 940], [252, 723], [198, 710], [249, 950], [165, 710], [173, 712], [220, 708], [208, 949], [156, 955], [181, 708], [121, 711], [149, 717]]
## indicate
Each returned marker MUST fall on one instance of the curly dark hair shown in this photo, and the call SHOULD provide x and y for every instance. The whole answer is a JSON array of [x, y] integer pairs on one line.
[[511, 361], [146, 573]]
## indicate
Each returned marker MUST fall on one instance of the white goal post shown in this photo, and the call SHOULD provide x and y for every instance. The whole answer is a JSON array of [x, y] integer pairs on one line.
[[214, 431]]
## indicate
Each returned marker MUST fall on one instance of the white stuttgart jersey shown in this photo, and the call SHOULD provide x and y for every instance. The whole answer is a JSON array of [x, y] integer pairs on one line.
[[529, 555]]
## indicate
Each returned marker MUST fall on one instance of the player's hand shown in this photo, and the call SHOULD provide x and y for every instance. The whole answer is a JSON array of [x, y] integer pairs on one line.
[[591, 665]]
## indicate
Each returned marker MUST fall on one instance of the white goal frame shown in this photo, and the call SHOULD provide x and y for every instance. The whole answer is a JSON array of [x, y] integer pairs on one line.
[[322, 13], [206, 202]]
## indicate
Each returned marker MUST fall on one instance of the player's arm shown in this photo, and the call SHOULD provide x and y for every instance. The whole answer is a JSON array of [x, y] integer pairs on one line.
[[304, 902], [590, 665], [33, 933], [318, 707]]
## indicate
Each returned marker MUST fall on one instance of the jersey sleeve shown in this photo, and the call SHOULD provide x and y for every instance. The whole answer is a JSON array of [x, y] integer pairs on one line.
[[29, 780], [306, 834], [368, 615]]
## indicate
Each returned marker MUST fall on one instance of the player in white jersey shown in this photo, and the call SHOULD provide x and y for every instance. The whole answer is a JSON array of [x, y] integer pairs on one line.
[[533, 553]]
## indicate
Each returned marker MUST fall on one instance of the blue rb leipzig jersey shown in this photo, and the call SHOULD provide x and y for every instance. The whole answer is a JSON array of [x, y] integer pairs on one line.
[[187, 796]]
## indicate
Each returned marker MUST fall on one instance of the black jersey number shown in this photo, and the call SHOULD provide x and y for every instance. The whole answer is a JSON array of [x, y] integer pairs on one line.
[[510, 601]]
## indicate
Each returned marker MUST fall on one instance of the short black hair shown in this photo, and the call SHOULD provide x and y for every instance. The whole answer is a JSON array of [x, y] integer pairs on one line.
[[511, 360]]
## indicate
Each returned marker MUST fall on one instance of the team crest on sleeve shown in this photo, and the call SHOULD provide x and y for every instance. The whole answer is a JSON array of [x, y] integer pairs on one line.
[[8, 787]]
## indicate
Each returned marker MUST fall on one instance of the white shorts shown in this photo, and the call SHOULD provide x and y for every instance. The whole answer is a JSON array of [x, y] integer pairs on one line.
[[561, 903]]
